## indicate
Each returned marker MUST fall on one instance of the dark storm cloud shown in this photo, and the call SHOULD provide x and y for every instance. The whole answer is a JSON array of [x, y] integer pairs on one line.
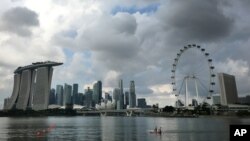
[[19, 20], [196, 20]]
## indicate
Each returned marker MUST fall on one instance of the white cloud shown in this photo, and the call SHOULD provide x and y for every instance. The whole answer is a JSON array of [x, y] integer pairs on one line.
[[239, 68], [162, 88]]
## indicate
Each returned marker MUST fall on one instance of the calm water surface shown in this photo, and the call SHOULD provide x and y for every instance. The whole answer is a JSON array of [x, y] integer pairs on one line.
[[116, 128]]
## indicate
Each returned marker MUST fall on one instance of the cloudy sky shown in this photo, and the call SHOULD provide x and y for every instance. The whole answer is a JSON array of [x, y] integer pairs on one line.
[[138, 40]]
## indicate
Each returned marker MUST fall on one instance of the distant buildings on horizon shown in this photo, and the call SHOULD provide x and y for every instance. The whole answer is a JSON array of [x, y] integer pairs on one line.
[[64, 96]]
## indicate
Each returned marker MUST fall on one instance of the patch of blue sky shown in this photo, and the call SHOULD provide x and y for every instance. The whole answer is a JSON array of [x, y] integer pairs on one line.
[[69, 54], [87, 55], [151, 8], [71, 33]]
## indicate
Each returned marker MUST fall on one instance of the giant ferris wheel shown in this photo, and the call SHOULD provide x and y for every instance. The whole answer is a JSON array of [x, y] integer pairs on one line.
[[193, 74]]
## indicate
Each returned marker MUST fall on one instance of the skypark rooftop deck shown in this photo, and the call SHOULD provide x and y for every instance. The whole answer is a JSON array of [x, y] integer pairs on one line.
[[37, 65]]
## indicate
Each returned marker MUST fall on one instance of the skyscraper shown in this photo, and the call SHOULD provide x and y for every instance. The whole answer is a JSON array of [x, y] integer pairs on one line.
[[121, 95], [97, 92], [59, 94], [228, 89], [116, 94], [67, 94], [108, 97], [88, 99], [141, 102], [132, 96], [32, 86], [81, 98], [126, 103], [52, 96], [75, 94]]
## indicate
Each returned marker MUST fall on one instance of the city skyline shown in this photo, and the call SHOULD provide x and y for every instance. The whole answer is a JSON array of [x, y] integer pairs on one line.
[[129, 40], [94, 97]]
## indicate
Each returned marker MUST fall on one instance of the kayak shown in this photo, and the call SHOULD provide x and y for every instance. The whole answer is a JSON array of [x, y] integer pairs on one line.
[[153, 132]]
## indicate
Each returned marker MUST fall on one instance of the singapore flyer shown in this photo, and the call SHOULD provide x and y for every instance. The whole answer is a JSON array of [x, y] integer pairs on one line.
[[193, 77]]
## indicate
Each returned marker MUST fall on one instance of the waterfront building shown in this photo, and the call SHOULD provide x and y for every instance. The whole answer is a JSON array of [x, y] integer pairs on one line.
[[59, 95], [121, 95], [141, 103], [116, 94], [67, 94], [228, 89], [245, 100], [126, 103], [52, 96], [194, 103], [97, 92], [216, 99], [81, 98], [88, 99], [132, 95], [75, 94], [107, 97], [32, 86]]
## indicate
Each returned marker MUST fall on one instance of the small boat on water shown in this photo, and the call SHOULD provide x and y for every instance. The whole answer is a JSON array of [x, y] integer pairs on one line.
[[155, 131]]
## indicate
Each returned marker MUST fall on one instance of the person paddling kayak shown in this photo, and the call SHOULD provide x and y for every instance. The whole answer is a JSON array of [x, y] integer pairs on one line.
[[159, 131], [155, 130]]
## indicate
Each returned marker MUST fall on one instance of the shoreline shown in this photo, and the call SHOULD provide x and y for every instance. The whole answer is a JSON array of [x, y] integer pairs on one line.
[[71, 112]]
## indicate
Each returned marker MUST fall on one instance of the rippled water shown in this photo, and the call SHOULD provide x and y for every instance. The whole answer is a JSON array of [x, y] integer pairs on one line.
[[116, 128]]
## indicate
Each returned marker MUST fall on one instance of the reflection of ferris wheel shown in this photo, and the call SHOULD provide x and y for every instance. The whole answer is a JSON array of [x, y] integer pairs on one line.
[[181, 76]]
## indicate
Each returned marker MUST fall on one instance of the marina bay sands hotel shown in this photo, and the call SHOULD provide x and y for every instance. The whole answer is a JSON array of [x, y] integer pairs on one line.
[[32, 85]]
